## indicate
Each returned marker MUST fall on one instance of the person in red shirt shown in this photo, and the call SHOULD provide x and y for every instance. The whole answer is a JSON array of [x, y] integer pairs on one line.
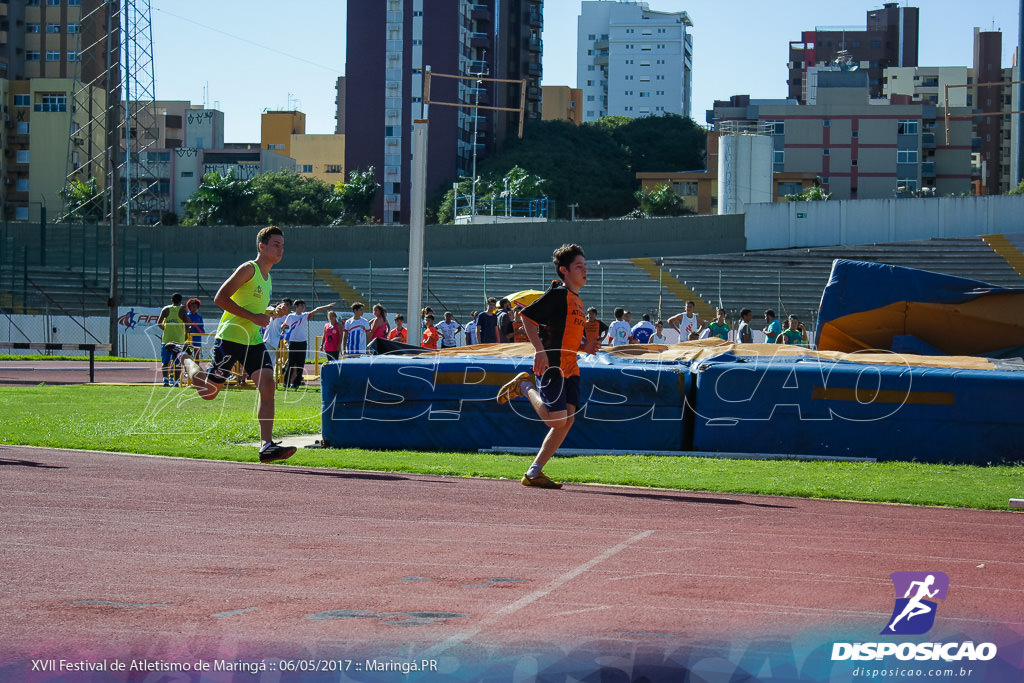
[[401, 332], [331, 343], [554, 326], [430, 334]]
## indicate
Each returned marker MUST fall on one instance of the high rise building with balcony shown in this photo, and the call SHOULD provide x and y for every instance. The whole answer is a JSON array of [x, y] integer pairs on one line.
[[889, 39], [390, 44], [632, 60]]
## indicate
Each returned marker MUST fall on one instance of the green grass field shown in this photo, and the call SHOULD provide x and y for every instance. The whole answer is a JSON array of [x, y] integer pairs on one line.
[[176, 422]]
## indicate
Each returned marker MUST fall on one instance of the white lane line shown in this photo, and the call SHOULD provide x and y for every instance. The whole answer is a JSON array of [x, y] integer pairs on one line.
[[581, 611], [534, 596]]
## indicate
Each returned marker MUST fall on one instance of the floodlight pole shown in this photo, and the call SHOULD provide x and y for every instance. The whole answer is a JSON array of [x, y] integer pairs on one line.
[[417, 217]]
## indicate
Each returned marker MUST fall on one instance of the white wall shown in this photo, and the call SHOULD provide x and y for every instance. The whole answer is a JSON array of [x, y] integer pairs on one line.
[[780, 225]]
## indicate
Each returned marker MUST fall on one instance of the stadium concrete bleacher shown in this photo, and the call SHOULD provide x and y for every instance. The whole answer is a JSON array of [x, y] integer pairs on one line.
[[789, 280]]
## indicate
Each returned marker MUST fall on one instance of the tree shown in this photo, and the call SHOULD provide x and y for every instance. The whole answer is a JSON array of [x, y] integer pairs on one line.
[[83, 201], [220, 200], [1017, 190], [353, 201], [661, 201], [811, 194], [493, 190]]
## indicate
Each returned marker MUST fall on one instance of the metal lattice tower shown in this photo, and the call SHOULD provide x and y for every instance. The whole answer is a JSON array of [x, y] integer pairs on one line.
[[115, 84]]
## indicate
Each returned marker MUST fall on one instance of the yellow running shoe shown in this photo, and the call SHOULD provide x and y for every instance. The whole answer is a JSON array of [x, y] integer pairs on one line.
[[541, 481], [512, 390]]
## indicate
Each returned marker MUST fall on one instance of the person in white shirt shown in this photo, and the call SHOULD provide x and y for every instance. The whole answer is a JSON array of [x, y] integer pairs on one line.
[[687, 323], [447, 328], [272, 332], [296, 330], [353, 337], [659, 334], [470, 329], [619, 332]]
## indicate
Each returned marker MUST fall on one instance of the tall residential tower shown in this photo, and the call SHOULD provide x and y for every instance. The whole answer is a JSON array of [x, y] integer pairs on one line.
[[632, 60]]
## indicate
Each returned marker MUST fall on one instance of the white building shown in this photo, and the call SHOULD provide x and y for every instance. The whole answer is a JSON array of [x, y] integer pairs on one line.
[[632, 60]]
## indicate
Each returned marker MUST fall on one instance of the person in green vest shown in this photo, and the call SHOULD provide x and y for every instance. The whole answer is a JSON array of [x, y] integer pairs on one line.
[[245, 299], [794, 333], [173, 322], [719, 328]]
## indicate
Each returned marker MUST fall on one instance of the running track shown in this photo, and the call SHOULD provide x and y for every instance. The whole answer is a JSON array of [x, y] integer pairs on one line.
[[117, 556]]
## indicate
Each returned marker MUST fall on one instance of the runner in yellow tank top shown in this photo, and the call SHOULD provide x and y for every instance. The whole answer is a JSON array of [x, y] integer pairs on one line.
[[245, 298], [172, 322]]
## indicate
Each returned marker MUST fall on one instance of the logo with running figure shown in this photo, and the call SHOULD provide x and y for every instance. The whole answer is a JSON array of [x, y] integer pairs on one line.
[[916, 596]]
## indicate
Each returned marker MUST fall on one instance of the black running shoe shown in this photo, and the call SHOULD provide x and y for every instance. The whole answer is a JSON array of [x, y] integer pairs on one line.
[[273, 451]]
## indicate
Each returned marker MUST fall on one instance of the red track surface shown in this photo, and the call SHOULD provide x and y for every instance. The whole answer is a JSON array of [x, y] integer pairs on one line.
[[106, 554]]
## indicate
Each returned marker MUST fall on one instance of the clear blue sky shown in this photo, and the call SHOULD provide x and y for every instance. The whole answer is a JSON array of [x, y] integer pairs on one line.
[[245, 56]]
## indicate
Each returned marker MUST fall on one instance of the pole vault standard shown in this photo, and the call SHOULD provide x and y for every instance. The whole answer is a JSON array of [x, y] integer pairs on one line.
[[418, 190]]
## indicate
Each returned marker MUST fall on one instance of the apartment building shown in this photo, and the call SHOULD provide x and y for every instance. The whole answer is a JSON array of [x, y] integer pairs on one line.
[[320, 156], [278, 127], [889, 38], [632, 60], [859, 147], [390, 44]]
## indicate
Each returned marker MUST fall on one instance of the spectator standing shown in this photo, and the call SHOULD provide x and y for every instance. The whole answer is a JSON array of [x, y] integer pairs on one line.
[[430, 335], [773, 328], [471, 329], [296, 330], [794, 333], [196, 326], [744, 335], [687, 322], [506, 330], [594, 330], [659, 334], [487, 324], [331, 343], [172, 322], [400, 333], [643, 330], [379, 326], [448, 328], [354, 332], [719, 327], [619, 332], [271, 334]]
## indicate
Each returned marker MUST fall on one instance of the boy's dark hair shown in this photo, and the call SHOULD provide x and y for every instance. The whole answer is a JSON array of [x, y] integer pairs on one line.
[[399, 316], [770, 312], [745, 311], [592, 309], [176, 299], [619, 312], [358, 304], [264, 235], [660, 323], [300, 302], [286, 300], [430, 317], [646, 316], [564, 256], [492, 300]]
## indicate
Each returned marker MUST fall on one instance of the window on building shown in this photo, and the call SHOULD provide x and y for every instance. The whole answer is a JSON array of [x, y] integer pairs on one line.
[[906, 184], [32, 55], [826, 123], [74, 3], [307, 168], [907, 127], [776, 127], [53, 55], [332, 168], [53, 28], [187, 174], [779, 156], [51, 101], [21, 185], [906, 156], [31, 28], [32, 3], [22, 100], [74, 56], [21, 213], [22, 156], [593, 36], [645, 93], [824, 152], [53, 3], [22, 127], [789, 187]]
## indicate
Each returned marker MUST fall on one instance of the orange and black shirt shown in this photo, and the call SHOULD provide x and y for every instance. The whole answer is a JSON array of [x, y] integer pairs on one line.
[[560, 317]]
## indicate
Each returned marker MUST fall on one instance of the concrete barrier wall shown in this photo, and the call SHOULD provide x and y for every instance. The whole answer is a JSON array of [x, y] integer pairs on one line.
[[386, 246], [866, 221]]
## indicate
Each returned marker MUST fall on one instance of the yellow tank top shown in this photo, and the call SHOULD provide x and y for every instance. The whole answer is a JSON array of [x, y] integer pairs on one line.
[[253, 296], [174, 329]]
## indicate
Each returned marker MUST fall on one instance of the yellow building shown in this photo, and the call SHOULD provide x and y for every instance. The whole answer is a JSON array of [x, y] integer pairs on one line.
[[561, 103], [319, 156], [277, 128], [45, 141]]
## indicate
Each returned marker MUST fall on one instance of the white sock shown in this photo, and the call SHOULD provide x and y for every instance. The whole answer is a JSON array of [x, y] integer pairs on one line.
[[525, 386], [533, 471]]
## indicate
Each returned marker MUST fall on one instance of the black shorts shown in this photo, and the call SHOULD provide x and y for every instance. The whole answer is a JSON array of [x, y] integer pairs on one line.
[[557, 391], [253, 357], [297, 354]]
